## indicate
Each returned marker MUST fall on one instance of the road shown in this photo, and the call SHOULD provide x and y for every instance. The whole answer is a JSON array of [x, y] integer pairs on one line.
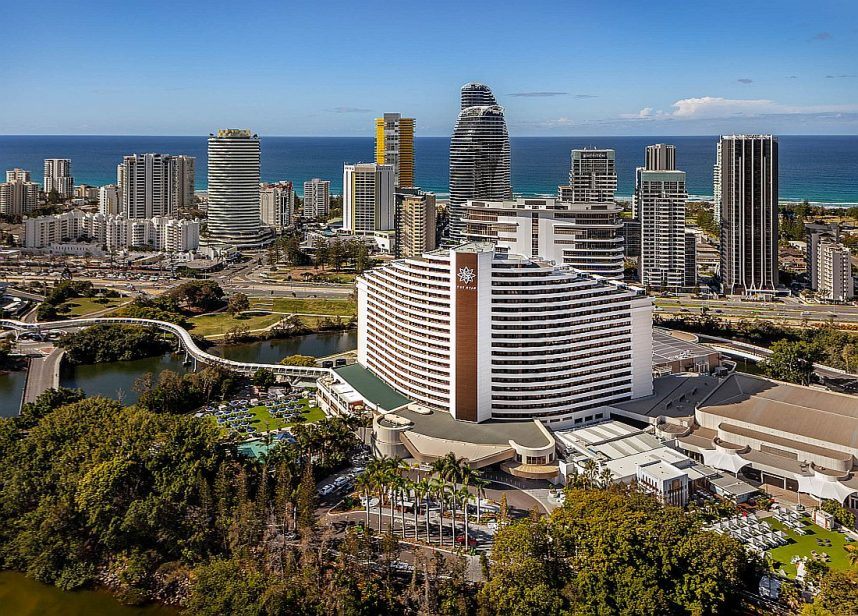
[[43, 374], [790, 311]]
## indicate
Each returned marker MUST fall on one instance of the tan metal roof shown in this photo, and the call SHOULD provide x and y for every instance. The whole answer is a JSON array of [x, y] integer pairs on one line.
[[805, 412]]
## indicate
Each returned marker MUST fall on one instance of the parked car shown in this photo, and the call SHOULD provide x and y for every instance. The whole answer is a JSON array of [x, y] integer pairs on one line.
[[460, 539]]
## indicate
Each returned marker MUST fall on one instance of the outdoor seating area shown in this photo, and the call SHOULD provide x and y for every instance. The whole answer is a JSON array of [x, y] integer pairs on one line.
[[756, 535], [253, 416], [791, 519]]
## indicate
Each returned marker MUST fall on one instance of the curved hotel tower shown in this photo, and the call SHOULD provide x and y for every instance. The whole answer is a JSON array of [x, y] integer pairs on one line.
[[233, 186], [486, 335], [479, 154]]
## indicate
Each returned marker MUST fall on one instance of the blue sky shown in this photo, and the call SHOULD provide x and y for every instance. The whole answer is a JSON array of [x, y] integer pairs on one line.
[[568, 67]]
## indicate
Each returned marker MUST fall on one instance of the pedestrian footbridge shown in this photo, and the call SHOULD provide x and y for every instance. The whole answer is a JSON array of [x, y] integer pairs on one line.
[[185, 341]]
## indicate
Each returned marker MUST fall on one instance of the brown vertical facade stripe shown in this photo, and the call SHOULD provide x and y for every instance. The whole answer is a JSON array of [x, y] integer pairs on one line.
[[466, 338]]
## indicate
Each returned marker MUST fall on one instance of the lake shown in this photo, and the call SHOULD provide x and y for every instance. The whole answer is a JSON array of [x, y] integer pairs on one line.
[[116, 380], [22, 596]]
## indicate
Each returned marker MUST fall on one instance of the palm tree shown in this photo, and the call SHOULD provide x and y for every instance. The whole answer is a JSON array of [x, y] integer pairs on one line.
[[449, 492], [422, 489], [438, 486], [406, 485], [363, 484], [465, 495], [591, 468], [480, 484]]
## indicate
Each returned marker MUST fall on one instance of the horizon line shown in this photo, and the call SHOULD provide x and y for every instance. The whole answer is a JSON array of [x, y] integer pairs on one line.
[[427, 136]]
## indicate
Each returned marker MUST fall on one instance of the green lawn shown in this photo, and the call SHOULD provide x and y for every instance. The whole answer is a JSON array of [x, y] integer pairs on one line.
[[341, 307], [222, 322], [802, 545], [82, 306], [264, 421]]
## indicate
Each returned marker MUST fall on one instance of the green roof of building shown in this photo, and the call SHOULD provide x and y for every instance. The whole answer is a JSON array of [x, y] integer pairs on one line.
[[372, 388]]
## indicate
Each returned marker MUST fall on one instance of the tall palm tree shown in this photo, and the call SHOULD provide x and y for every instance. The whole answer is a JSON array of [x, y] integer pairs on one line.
[[465, 495], [480, 484], [422, 489], [363, 484], [406, 485], [438, 487], [449, 493]]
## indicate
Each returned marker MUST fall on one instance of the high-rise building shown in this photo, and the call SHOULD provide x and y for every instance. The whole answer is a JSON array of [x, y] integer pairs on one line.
[[815, 233], [487, 336], [183, 180], [834, 271], [415, 221], [18, 195], [18, 175], [368, 198], [631, 238], [58, 177], [716, 186], [479, 154], [233, 188], [148, 185], [749, 214], [585, 236], [592, 177], [394, 145], [690, 259], [317, 198], [659, 199], [476, 95], [109, 199], [660, 157], [277, 205]]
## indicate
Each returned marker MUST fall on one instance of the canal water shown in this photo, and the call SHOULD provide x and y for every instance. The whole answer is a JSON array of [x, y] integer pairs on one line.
[[22, 596], [11, 392], [116, 380]]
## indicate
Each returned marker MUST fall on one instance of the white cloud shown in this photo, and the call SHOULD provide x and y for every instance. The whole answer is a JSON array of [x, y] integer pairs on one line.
[[714, 107], [718, 107]]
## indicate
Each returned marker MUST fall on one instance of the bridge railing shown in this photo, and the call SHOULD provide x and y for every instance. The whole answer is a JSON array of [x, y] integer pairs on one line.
[[185, 339]]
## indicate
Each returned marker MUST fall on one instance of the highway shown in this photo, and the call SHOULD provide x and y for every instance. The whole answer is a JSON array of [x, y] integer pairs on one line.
[[790, 311]]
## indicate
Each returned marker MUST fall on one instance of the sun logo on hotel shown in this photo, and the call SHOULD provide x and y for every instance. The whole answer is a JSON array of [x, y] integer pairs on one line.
[[466, 275]]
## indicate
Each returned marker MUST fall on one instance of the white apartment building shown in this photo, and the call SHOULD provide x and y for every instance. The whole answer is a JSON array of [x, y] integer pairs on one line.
[[592, 177], [184, 178], [483, 335], [277, 205], [659, 203], [109, 199], [114, 232], [585, 236], [368, 198], [148, 186], [317, 198], [834, 272], [58, 177], [18, 195]]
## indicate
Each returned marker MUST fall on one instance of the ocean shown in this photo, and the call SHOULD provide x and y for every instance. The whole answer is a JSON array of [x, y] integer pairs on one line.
[[821, 169]]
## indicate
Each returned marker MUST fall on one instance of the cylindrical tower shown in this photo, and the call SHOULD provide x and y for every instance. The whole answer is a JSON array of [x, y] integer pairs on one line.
[[233, 187]]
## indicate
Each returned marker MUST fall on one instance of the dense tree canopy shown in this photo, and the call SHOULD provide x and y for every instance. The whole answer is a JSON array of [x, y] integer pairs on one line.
[[613, 551], [197, 295], [109, 342]]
